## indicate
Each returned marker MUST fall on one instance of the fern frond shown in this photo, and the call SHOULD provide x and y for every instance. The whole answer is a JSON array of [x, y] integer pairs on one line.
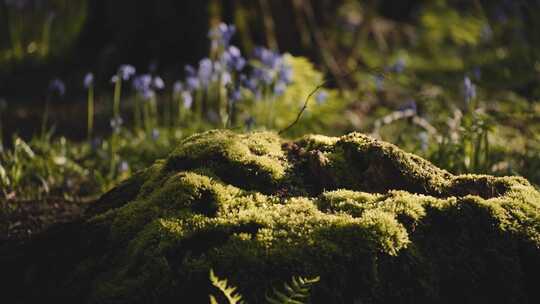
[[229, 291], [295, 293]]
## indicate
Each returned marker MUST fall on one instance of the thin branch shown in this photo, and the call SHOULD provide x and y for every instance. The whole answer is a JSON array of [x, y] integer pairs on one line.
[[304, 107], [375, 71]]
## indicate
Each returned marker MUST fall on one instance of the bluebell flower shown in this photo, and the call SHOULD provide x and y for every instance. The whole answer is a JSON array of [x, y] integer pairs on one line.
[[226, 78], [321, 97], [286, 74], [158, 83], [280, 88], [221, 35], [205, 71], [57, 86], [267, 57], [234, 95], [233, 58], [114, 79], [469, 89], [148, 94], [217, 71], [123, 166], [190, 71], [155, 134], [142, 83], [126, 71], [178, 87], [251, 83], [263, 75], [88, 80], [399, 66], [187, 99], [193, 83], [116, 124]]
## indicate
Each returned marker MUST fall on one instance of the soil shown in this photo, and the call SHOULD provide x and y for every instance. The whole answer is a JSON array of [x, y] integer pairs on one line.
[[23, 219]]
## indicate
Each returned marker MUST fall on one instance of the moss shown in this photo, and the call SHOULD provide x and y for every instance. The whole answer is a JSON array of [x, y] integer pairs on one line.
[[376, 223]]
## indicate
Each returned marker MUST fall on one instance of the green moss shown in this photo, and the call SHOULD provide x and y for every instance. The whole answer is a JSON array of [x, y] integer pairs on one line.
[[376, 223]]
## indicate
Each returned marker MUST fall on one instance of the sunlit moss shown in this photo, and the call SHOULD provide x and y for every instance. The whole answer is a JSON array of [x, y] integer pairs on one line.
[[373, 222]]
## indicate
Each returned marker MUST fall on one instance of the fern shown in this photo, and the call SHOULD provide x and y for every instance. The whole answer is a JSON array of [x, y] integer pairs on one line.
[[228, 291], [295, 293]]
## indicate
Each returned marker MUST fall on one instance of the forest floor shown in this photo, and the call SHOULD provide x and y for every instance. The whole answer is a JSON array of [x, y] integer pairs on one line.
[[31, 217]]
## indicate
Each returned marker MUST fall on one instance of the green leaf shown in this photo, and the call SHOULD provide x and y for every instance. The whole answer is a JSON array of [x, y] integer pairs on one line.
[[223, 286], [4, 179], [294, 293]]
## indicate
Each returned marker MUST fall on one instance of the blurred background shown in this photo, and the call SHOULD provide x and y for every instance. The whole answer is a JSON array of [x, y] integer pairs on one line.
[[440, 41], [91, 91]]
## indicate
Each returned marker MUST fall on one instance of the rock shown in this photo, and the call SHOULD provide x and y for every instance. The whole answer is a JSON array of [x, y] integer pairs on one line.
[[377, 224]]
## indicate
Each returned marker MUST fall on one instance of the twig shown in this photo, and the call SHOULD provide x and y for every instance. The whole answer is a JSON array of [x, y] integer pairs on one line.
[[304, 107], [374, 71]]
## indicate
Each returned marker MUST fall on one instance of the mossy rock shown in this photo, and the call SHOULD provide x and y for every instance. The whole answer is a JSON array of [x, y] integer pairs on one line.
[[377, 224]]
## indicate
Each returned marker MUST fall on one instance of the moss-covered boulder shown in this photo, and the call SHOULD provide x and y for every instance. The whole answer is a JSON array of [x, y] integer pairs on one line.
[[377, 224]]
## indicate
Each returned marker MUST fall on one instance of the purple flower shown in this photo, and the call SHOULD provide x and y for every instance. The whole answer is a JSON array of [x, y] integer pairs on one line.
[[250, 83], [321, 97], [187, 99], [123, 166], [267, 57], [158, 83], [57, 86], [114, 79], [155, 134], [190, 71], [263, 75], [178, 87], [399, 66], [192, 83], [221, 35], [233, 59], [469, 89], [88, 80], [142, 83], [286, 74], [116, 123], [148, 94], [126, 71], [205, 71], [226, 78], [280, 88], [235, 95]]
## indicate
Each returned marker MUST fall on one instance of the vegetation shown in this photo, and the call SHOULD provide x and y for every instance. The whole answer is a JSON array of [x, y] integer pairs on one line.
[[260, 210], [154, 200]]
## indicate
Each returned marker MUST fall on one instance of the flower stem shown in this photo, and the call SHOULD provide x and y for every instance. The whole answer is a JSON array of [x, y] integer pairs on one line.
[[117, 92], [90, 112]]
